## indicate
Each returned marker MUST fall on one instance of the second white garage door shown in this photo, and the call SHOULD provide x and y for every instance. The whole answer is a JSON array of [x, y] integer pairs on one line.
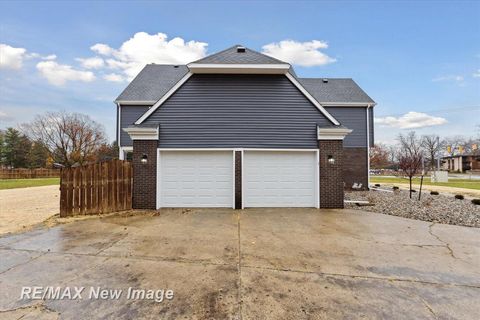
[[195, 179], [280, 179]]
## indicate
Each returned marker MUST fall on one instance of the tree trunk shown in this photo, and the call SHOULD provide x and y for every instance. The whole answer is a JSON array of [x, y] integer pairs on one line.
[[410, 187]]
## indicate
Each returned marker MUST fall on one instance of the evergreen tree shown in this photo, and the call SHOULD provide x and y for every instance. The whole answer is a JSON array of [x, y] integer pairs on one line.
[[16, 148], [38, 155]]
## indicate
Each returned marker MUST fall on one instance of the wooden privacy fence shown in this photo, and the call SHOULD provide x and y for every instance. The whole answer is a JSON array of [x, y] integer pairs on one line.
[[96, 188], [29, 173]]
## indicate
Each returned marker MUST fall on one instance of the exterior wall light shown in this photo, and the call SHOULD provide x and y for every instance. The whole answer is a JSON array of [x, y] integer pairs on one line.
[[144, 159], [331, 160]]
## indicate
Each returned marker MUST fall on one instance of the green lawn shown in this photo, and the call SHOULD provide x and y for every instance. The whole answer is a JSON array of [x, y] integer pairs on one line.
[[455, 183], [24, 183]]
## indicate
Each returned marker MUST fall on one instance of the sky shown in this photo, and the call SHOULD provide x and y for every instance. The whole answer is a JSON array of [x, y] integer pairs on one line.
[[419, 60]]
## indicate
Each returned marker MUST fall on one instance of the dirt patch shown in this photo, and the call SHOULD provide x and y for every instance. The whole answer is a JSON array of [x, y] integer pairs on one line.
[[23, 208]]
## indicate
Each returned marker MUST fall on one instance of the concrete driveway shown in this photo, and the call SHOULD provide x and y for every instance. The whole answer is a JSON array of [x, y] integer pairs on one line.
[[250, 264]]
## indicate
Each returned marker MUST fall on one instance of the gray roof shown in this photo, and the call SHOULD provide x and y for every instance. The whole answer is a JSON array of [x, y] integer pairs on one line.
[[231, 56], [153, 82], [156, 79], [335, 90]]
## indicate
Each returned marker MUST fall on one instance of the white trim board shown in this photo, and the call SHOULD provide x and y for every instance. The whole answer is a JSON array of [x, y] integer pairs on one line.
[[348, 104], [142, 133], [332, 133], [135, 102], [164, 98], [312, 99]]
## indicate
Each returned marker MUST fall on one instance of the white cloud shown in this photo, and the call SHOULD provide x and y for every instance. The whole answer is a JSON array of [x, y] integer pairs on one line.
[[476, 74], [102, 49], [4, 116], [113, 77], [306, 54], [455, 78], [49, 57], [91, 63], [411, 120], [144, 48], [10, 57], [59, 74]]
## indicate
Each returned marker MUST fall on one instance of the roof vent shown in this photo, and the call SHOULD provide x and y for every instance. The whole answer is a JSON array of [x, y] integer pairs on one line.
[[241, 49], [325, 80]]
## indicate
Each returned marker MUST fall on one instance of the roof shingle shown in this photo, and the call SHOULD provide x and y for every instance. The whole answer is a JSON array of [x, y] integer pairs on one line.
[[335, 90], [153, 82], [231, 56]]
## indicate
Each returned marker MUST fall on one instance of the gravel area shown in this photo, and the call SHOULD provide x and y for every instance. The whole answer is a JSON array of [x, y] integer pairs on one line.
[[440, 208]]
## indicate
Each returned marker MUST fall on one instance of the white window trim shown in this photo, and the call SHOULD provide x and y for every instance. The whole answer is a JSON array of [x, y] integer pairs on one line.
[[164, 98], [122, 150], [311, 98]]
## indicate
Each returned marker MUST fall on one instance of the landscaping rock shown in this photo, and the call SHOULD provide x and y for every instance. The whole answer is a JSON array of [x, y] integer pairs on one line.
[[438, 208]]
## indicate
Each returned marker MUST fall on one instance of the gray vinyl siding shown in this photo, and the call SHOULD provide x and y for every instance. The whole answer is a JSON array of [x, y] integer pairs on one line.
[[354, 118], [128, 116], [223, 111]]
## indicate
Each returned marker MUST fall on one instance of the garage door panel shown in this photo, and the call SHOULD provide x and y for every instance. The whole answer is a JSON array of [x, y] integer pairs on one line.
[[280, 179], [196, 179]]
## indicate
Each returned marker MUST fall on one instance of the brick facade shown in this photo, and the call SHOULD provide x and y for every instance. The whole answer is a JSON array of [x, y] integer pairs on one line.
[[355, 168], [238, 180], [331, 175], [145, 174]]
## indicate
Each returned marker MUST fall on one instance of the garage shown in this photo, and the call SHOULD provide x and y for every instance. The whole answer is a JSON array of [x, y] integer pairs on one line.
[[280, 179], [195, 179]]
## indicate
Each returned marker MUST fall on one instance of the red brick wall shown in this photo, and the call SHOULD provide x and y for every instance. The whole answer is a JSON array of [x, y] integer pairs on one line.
[[144, 174], [331, 175], [355, 168], [238, 180]]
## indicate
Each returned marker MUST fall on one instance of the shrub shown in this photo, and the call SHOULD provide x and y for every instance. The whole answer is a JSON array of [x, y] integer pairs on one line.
[[377, 184], [476, 201], [434, 193], [459, 197], [395, 188]]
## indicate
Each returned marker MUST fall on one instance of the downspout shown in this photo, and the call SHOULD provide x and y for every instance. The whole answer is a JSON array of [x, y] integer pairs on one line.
[[368, 146], [119, 114]]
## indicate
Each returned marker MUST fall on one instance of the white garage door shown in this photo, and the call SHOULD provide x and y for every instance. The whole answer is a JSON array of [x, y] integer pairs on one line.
[[195, 179], [280, 179]]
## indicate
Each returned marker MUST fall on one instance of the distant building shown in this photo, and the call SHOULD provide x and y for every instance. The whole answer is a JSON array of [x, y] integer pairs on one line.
[[461, 163]]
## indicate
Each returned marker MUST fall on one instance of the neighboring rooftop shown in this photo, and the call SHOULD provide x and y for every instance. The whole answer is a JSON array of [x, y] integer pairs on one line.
[[239, 54], [152, 82], [332, 90]]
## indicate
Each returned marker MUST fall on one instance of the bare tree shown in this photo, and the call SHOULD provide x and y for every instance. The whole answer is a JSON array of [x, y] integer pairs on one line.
[[410, 155], [432, 146], [379, 156], [410, 165], [71, 138]]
